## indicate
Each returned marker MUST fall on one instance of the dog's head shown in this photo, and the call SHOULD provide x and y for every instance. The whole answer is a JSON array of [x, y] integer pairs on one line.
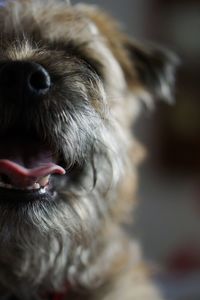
[[70, 86]]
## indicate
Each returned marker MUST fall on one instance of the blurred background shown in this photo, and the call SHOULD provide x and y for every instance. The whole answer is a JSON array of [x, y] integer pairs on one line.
[[167, 217]]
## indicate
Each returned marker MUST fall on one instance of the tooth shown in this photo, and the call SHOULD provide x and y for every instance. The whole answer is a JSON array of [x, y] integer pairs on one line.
[[36, 186], [43, 190], [44, 181]]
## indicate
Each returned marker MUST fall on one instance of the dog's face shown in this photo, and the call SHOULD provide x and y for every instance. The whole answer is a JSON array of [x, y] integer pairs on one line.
[[70, 85]]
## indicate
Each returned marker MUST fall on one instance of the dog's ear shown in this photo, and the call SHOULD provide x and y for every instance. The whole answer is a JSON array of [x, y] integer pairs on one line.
[[155, 68], [146, 67]]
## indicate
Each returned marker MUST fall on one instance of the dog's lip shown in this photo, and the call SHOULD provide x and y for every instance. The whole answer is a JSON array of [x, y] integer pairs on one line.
[[16, 198]]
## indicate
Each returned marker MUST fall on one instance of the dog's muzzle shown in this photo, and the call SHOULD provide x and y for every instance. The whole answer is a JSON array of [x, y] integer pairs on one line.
[[26, 161]]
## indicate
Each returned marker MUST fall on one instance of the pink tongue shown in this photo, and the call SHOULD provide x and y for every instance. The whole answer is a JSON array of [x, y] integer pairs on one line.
[[25, 161], [23, 177]]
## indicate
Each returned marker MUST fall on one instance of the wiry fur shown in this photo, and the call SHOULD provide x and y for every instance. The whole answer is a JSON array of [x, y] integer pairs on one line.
[[87, 120]]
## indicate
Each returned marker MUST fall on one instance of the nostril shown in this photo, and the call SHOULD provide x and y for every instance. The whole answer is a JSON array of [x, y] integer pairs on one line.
[[39, 81]]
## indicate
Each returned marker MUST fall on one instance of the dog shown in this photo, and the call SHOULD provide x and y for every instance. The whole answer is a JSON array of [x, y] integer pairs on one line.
[[71, 87]]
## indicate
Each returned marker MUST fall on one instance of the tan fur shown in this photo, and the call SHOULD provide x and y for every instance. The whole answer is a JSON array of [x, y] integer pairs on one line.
[[80, 241]]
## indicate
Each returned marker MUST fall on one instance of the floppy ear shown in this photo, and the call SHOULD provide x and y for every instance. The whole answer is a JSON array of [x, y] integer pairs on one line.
[[155, 68], [146, 68]]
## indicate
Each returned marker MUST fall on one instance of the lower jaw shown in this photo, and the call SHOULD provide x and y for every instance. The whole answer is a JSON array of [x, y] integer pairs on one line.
[[19, 197]]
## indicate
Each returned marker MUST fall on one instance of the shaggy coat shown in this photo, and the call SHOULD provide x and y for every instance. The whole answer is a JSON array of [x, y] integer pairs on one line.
[[70, 240]]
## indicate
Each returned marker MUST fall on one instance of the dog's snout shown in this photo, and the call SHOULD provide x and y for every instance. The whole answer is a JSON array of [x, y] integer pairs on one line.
[[25, 80]]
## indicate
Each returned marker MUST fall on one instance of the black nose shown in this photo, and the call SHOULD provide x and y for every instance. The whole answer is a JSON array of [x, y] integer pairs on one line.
[[24, 80]]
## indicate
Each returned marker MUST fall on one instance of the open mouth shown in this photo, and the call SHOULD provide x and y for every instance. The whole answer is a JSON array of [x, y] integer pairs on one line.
[[26, 166]]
